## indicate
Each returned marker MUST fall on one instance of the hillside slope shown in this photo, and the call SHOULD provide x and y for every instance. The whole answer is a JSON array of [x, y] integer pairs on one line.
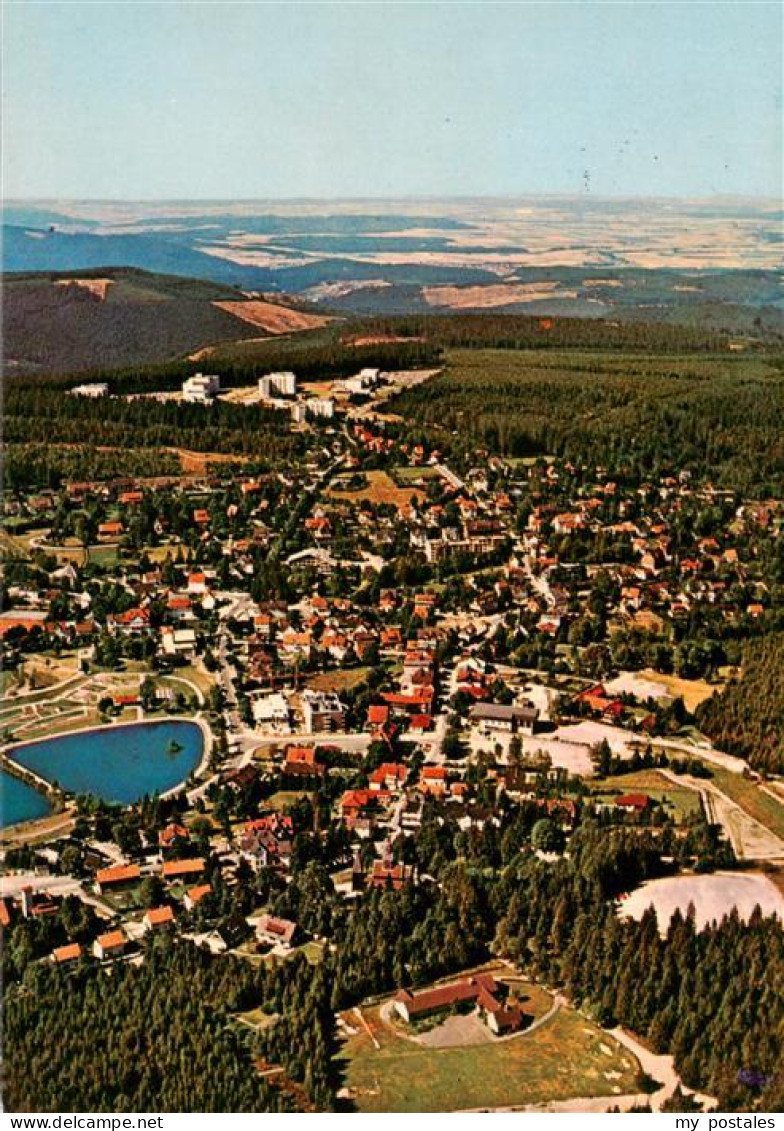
[[112, 318]]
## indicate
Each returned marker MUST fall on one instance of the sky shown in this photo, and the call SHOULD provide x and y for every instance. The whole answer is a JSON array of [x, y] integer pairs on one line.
[[190, 100]]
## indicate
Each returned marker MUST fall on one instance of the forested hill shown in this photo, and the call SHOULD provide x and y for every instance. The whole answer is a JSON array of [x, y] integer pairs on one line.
[[77, 321]]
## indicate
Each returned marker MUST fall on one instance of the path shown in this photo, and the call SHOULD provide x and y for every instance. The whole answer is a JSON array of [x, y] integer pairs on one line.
[[659, 1067], [750, 839]]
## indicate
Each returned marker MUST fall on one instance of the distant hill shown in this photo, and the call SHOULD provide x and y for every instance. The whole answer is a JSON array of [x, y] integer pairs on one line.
[[80, 320]]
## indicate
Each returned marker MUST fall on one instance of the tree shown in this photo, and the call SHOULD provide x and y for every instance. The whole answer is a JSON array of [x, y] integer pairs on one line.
[[547, 836]]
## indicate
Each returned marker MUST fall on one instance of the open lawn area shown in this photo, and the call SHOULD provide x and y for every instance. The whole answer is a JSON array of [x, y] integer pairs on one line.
[[692, 691], [751, 798], [256, 1019], [285, 798], [381, 488], [409, 476], [567, 1057], [7, 679], [680, 802]]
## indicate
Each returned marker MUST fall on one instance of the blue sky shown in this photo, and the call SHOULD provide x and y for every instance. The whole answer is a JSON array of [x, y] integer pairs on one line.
[[228, 100]]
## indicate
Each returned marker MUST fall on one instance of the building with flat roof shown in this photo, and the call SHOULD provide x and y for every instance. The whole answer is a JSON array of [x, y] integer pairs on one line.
[[93, 389], [282, 384], [201, 388]]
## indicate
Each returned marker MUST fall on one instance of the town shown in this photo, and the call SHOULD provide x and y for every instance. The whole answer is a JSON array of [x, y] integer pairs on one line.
[[375, 660]]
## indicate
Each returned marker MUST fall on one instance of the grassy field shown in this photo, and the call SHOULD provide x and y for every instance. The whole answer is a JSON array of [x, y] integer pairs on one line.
[[256, 1019], [339, 680], [408, 476], [7, 679], [751, 799], [692, 691], [680, 801], [567, 1057]]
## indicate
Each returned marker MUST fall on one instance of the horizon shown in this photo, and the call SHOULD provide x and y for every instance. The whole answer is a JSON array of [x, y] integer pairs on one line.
[[405, 197]]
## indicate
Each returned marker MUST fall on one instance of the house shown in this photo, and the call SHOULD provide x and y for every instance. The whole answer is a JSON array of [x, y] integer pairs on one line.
[[38, 903], [131, 621], [322, 711], [110, 945], [413, 1006], [359, 807], [271, 713], [273, 931], [157, 918], [197, 583], [384, 874], [301, 762], [119, 876], [178, 641], [173, 835], [508, 720], [634, 803], [388, 776], [377, 717], [107, 531], [195, 895]]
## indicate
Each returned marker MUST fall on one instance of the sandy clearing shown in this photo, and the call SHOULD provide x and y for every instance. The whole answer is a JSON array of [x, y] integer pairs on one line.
[[569, 747], [632, 683], [271, 317], [713, 897], [96, 287]]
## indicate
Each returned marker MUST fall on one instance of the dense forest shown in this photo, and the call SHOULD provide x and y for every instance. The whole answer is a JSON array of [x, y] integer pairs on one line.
[[149, 1038], [35, 415], [52, 324], [524, 332], [641, 415], [747, 717]]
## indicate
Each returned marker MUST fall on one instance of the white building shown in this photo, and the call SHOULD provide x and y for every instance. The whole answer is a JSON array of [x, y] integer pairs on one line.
[[321, 406], [201, 388], [95, 389], [322, 711], [363, 382], [271, 713], [178, 641], [277, 385]]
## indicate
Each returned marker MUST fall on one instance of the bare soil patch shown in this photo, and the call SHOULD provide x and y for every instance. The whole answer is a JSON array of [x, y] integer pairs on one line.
[[271, 317], [96, 287]]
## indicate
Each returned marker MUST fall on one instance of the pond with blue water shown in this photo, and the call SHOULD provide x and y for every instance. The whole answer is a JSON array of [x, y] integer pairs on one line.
[[119, 764]]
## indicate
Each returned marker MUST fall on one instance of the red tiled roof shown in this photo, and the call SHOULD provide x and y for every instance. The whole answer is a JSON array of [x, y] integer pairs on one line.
[[633, 801], [120, 874], [112, 940], [158, 916], [67, 953], [197, 894], [428, 1001]]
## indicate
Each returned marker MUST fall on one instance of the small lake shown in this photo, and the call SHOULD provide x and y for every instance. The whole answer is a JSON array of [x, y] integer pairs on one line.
[[19, 801], [118, 764]]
